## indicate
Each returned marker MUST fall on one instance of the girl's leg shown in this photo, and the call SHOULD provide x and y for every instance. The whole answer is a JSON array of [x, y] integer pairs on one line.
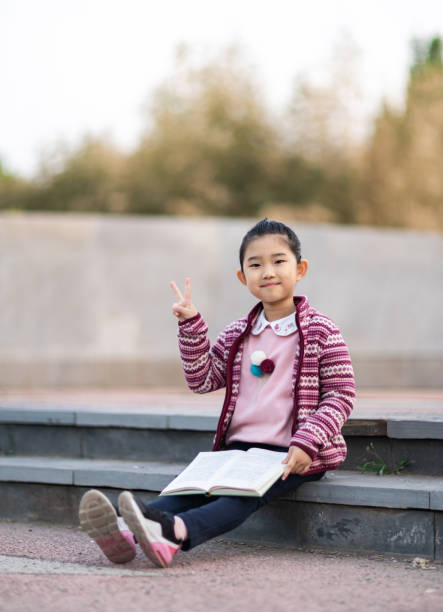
[[154, 528], [223, 514], [204, 517], [177, 503], [173, 506], [209, 517], [284, 487]]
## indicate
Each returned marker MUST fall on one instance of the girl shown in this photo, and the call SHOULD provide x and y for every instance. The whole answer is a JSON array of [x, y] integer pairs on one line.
[[289, 387]]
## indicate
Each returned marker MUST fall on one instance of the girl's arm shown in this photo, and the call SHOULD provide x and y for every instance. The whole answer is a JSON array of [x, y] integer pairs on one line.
[[337, 392], [204, 367]]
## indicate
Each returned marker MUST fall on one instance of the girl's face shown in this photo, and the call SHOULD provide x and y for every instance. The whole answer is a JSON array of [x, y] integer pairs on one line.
[[270, 270]]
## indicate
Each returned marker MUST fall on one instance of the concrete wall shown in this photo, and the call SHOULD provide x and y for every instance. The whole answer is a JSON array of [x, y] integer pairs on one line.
[[85, 299]]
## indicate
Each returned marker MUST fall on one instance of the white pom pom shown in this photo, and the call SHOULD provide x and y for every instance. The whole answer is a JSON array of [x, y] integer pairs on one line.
[[257, 357]]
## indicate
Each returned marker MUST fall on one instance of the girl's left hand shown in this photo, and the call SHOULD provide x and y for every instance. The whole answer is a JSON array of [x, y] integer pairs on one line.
[[298, 462]]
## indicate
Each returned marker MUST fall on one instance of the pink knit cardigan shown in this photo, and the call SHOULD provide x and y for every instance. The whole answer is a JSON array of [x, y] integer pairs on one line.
[[322, 382]]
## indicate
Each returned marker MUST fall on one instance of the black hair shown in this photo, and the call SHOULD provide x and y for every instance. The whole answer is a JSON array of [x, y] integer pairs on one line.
[[267, 226]]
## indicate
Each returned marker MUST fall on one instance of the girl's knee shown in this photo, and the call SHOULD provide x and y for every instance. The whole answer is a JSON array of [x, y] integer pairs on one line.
[[242, 504]]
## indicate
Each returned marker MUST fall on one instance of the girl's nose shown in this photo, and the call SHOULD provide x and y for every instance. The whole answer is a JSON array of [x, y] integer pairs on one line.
[[268, 271]]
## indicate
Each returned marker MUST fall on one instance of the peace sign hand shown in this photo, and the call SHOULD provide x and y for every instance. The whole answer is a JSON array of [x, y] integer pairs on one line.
[[184, 308]]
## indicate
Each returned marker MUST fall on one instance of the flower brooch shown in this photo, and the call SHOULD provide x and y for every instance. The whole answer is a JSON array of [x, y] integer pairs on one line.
[[261, 365]]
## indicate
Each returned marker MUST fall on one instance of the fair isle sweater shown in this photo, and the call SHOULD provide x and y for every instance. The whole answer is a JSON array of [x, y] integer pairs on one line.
[[322, 382]]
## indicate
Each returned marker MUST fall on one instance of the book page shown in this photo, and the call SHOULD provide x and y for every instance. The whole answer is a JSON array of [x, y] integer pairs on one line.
[[202, 470], [252, 469]]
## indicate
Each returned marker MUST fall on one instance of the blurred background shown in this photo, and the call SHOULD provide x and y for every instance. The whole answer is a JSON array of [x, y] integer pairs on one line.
[[139, 141]]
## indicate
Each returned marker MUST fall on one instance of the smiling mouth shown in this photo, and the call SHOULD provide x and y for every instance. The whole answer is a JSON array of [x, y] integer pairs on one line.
[[270, 284]]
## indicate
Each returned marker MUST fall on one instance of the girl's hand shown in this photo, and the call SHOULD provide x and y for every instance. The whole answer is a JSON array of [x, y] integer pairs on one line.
[[184, 308], [298, 462]]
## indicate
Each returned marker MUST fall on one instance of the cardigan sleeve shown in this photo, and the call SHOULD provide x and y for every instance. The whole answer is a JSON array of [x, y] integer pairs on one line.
[[204, 367], [336, 396]]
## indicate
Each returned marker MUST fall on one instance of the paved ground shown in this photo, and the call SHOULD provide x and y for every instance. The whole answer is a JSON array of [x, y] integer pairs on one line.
[[47, 568], [377, 403]]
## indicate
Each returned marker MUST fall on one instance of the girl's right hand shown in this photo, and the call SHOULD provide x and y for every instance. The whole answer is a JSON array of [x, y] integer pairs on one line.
[[183, 308]]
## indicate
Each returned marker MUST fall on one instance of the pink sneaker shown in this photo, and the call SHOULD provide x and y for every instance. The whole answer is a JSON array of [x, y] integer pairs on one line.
[[99, 519], [148, 532]]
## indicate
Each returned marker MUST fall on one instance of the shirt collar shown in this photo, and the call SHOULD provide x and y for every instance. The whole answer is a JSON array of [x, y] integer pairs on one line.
[[281, 327]]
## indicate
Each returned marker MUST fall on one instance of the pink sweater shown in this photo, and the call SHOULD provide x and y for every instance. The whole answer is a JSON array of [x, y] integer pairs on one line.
[[263, 412], [322, 385]]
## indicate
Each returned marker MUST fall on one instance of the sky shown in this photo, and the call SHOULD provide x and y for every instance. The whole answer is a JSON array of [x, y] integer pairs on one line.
[[76, 67]]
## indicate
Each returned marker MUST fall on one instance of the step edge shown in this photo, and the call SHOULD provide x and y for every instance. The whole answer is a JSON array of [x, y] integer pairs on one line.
[[392, 427], [339, 490]]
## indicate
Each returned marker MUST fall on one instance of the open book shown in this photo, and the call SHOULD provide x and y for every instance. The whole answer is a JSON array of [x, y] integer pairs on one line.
[[233, 472]]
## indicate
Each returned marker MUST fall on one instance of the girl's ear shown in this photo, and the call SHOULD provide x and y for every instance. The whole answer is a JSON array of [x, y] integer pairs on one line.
[[302, 268], [241, 277]]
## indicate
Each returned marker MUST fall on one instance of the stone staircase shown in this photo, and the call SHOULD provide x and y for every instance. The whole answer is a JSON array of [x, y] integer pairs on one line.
[[52, 452]]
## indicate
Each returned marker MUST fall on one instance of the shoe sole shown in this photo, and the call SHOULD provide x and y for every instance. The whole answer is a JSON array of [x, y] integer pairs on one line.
[[99, 519], [156, 548]]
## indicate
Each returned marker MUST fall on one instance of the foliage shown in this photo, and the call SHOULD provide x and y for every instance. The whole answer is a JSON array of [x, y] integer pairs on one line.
[[88, 178], [401, 183], [13, 190], [210, 146], [378, 464]]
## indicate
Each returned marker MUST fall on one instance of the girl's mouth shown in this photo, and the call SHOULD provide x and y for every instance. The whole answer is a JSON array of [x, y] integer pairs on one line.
[[270, 284]]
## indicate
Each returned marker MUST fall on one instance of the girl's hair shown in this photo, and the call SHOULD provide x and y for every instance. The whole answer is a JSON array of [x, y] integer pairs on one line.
[[267, 226]]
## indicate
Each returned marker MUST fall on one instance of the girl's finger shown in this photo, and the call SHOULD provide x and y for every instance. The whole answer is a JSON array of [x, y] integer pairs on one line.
[[177, 291], [188, 290], [177, 313], [179, 308]]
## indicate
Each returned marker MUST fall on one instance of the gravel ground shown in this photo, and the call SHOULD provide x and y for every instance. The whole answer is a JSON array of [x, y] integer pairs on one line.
[[50, 568]]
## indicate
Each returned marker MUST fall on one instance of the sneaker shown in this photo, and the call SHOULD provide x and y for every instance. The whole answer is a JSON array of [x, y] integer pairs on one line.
[[99, 519], [154, 533]]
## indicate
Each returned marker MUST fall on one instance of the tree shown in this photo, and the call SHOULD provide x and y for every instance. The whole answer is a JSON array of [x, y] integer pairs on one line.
[[402, 178], [87, 178], [209, 147], [13, 190], [322, 131]]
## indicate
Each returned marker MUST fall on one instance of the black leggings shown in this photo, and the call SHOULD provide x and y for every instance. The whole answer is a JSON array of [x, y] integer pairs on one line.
[[209, 516]]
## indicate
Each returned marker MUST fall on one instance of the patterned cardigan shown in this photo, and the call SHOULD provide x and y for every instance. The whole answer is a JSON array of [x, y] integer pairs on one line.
[[322, 382]]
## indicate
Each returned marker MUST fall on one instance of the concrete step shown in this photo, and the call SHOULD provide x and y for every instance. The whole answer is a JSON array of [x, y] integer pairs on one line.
[[178, 434], [339, 487], [345, 510]]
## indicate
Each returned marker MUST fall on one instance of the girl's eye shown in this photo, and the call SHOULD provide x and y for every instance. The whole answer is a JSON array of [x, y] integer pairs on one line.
[[280, 261], [254, 265]]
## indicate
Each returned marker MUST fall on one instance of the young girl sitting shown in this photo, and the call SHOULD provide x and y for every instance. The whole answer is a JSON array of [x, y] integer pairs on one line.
[[289, 387]]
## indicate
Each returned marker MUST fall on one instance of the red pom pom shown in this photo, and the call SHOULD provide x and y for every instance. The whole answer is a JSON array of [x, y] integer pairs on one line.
[[267, 366]]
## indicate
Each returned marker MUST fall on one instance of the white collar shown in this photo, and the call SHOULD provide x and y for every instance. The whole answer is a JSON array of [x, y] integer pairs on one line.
[[281, 327]]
